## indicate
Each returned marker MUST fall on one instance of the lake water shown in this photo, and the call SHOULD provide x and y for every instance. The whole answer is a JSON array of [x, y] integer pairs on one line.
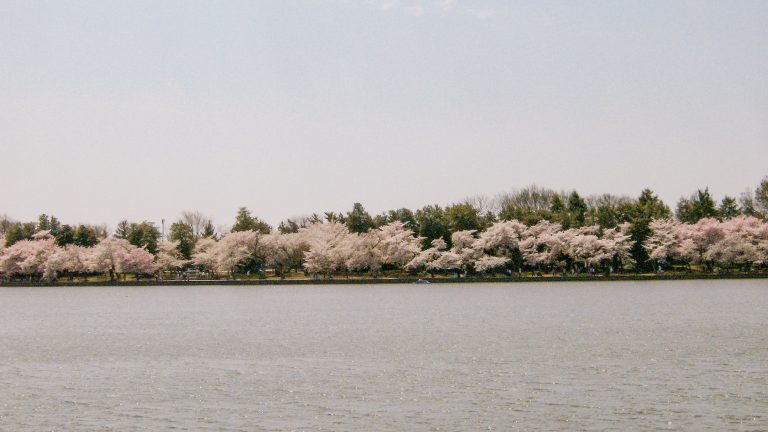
[[689, 355]]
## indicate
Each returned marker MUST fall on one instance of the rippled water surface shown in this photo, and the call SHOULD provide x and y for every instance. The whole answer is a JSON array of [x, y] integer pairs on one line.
[[577, 356]]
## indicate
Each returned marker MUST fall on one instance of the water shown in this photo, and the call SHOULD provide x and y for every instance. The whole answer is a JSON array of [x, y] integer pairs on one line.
[[578, 356]]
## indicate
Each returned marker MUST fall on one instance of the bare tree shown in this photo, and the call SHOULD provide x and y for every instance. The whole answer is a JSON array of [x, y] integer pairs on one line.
[[196, 220], [5, 222], [483, 204], [529, 200]]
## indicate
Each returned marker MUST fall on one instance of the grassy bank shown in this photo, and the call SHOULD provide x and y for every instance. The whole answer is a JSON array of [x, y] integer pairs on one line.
[[390, 280]]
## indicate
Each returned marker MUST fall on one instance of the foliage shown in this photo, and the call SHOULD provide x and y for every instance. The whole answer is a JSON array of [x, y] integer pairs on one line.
[[245, 222], [184, 238], [358, 220], [761, 198], [431, 223], [556, 232], [698, 206]]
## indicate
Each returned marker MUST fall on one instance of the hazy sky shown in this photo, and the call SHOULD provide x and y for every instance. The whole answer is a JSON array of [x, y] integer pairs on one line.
[[140, 110]]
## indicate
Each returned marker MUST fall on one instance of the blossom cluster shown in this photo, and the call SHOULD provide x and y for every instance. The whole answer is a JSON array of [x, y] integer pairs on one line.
[[326, 248], [740, 241], [330, 247], [41, 256]]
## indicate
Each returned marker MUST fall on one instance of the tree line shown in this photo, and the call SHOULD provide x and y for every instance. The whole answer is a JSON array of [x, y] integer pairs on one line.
[[619, 226]]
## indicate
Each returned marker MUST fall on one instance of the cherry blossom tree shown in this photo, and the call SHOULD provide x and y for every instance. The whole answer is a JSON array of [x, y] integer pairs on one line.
[[234, 249], [118, 257], [362, 252], [501, 238], [583, 246], [696, 238], [735, 250], [619, 242], [168, 257], [447, 260], [204, 253], [28, 257], [487, 263], [663, 243], [105, 256], [69, 259], [136, 260], [329, 247], [397, 245], [461, 256], [283, 251], [744, 243], [425, 258], [740, 241], [542, 245]]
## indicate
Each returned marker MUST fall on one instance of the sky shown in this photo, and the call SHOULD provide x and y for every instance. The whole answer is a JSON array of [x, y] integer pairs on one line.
[[140, 110]]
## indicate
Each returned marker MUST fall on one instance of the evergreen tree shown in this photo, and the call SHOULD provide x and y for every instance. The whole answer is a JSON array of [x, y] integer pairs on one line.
[[65, 236], [405, 216], [144, 235], [647, 207], [380, 220], [577, 210], [123, 229], [288, 226], [43, 223], [208, 230], [699, 206], [460, 217], [431, 224], [245, 222], [85, 236], [19, 231], [728, 208], [557, 212], [761, 198], [358, 220], [184, 234]]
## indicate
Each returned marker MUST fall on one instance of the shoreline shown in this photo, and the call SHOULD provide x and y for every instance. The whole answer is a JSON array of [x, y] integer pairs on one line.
[[383, 281]]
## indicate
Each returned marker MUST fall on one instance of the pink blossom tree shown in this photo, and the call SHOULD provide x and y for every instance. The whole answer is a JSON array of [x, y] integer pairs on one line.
[[537, 243], [664, 243], [28, 257], [69, 259], [446, 261], [619, 243], [465, 247], [488, 263], [118, 258], [397, 245], [135, 260], [204, 253], [168, 257], [329, 247], [283, 251], [234, 249], [424, 259], [363, 253]]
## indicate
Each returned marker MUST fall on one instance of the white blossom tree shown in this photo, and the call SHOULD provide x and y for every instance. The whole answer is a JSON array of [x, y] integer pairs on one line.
[[397, 245], [234, 249], [28, 257], [69, 259], [136, 260], [204, 253], [488, 263], [168, 257], [663, 243], [329, 247], [423, 259]]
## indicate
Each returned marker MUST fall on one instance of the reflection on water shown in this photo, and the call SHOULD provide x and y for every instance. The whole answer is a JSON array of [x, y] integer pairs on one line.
[[598, 356]]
